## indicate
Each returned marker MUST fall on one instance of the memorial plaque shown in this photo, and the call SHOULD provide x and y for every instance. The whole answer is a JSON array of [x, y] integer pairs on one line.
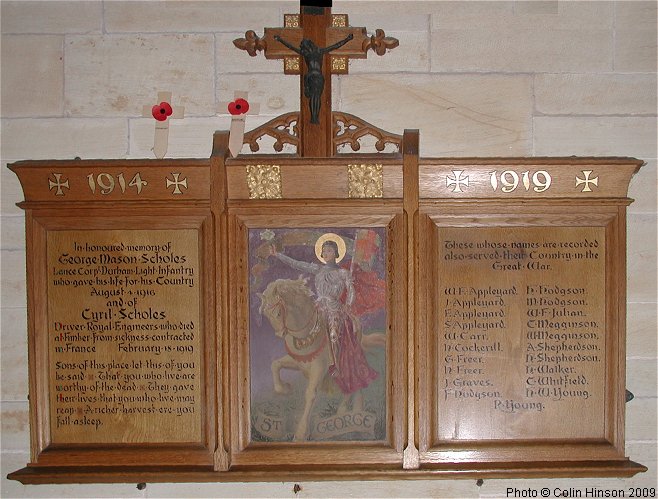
[[521, 337], [125, 336], [323, 315]]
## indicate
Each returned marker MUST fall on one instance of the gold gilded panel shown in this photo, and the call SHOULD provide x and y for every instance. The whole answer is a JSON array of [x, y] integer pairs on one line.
[[264, 181], [291, 20], [291, 65], [339, 65], [365, 181], [339, 21]]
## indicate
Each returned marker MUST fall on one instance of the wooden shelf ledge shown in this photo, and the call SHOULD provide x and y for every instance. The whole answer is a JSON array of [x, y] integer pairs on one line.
[[34, 475]]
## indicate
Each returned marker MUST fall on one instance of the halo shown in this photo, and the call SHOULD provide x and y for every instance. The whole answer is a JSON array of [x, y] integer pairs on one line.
[[330, 236]]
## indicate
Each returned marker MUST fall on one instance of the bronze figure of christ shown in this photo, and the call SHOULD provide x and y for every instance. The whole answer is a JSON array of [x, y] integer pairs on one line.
[[314, 79]]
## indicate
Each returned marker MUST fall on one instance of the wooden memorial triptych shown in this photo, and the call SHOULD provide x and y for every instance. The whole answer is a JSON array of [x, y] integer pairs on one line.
[[325, 314]]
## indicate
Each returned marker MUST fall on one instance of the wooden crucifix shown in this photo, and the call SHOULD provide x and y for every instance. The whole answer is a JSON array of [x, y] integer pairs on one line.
[[315, 44]]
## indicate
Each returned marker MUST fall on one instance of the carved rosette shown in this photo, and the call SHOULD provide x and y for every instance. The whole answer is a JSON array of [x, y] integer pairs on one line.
[[264, 181], [365, 181]]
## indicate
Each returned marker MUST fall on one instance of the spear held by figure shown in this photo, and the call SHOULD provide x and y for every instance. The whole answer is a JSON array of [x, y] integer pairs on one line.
[[314, 79]]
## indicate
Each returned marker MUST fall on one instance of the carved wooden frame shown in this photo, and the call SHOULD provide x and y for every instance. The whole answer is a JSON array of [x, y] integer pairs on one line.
[[418, 198], [306, 455], [39, 222]]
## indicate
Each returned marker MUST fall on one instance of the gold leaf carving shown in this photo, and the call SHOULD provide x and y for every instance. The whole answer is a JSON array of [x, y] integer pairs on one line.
[[264, 181], [291, 65], [365, 181], [339, 21], [338, 64], [291, 20]]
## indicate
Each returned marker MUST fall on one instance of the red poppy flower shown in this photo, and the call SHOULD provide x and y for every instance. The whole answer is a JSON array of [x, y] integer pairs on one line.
[[238, 106], [161, 111]]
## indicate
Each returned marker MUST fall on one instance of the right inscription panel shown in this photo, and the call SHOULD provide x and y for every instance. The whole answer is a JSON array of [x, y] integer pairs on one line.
[[519, 333]]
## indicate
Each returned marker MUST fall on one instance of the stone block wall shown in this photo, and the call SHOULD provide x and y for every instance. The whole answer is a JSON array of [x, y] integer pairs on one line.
[[518, 78]]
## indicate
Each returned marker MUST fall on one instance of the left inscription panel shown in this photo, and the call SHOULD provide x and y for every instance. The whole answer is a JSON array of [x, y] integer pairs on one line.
[[125, 336], [122, 316]]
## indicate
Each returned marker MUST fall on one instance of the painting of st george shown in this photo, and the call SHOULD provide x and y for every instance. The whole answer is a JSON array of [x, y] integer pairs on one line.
[[317, 334]]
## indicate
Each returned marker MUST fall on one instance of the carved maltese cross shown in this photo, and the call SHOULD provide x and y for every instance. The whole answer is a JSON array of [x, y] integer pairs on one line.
[[587, 181], [176, 183], [457, 180], [58, 183]]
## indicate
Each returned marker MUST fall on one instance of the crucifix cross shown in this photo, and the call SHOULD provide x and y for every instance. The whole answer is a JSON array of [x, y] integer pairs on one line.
[[315, 44]]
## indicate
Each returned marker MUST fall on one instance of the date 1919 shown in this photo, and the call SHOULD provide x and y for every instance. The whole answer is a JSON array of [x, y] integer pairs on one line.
[[509, 180]]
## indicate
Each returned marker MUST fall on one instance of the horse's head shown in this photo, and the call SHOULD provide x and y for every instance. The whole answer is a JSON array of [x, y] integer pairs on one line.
[[284, 303]]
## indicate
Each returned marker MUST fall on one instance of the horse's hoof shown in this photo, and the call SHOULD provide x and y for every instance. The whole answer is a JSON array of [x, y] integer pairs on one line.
[[283, 389]]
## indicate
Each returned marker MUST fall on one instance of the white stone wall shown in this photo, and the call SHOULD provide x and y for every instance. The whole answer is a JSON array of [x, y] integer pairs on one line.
[[477, 78]]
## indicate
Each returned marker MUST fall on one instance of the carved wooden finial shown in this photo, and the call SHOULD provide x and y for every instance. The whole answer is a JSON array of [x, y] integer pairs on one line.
[[251, 42], [380, 43]]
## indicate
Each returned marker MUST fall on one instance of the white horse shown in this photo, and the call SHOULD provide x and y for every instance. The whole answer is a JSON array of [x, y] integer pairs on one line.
[[290, 308]]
